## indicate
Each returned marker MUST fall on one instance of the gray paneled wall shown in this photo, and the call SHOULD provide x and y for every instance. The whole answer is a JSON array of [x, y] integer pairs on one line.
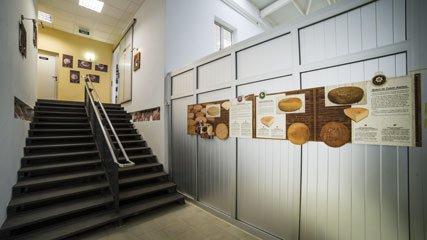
[[183, 149], [356, 191], [215, 159], [280, 190]]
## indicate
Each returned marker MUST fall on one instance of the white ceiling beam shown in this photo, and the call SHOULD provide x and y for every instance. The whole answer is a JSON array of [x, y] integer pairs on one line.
[[274, 7], [253, 17], [308, 7], [298, 7]]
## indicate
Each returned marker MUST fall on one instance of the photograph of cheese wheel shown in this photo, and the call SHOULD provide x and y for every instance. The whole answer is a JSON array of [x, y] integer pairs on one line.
[[346, 95], [335, 134], [298, 133], [221, 131]]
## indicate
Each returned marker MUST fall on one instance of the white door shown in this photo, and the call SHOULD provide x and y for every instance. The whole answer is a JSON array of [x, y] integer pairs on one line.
[[47, 76]]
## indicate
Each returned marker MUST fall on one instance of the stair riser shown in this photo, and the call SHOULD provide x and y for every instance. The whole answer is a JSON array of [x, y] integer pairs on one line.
[[137, 198], [60, 114], [145, 151], [60, 120], [60, 109], [127, 138], [56, 126], [58, 170], [59, 133], [59, 141], [59, 218], [136, 183], [55, 200], [43, 186], [65, 159], [88, 147], [134, 171]]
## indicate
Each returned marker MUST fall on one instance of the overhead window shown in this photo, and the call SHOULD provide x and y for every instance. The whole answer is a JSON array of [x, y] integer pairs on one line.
[[223, 36]]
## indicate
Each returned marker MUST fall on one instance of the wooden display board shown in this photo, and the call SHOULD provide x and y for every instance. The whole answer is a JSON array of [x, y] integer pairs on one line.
[[383, 111], [200, 122]]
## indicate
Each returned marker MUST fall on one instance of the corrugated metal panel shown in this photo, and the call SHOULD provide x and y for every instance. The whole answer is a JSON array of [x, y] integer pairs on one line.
[[183, 148], [270, 56], [377, 24], [215, 159], [214, 73], [183, 83], [356, 191], [268, 178]]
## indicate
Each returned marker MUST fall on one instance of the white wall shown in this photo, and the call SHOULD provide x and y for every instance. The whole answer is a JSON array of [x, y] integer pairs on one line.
[[190, 29], [148, 82], [18, 79]]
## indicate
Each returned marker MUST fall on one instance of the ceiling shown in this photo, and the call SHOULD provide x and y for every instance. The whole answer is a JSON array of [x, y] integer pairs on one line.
[[289, 9], [106, 26]]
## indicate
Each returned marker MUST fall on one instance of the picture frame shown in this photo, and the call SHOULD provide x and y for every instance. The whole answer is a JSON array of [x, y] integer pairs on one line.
[[74, 76], [94, 78], [67, 61], [101, 67], [137, 61], [84, 64], [22, 39]]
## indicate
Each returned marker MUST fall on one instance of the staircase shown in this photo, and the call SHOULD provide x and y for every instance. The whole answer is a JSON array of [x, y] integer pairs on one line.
[[62, 188]]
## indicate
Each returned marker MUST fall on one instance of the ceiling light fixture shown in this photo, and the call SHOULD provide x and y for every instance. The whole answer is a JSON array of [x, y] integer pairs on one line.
[[94, 5], [45, 17]]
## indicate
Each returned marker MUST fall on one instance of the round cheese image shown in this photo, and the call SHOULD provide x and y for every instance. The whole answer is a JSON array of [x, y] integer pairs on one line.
[[335, 134], [346, 95], [298, 133], [221, 131]]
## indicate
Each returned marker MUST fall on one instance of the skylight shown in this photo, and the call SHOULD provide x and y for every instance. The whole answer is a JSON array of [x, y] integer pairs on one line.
[[94, 5], [46, 17]]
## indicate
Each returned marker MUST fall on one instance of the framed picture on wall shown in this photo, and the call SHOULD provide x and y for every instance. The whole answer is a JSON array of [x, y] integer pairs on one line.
[[67, 61], [94, 78], [137, 61], [101, 67], [22, 39], [74, 76], [85, 64]]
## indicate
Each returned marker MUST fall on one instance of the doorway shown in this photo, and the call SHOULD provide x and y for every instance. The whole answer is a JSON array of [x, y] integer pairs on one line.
[[47, 76]]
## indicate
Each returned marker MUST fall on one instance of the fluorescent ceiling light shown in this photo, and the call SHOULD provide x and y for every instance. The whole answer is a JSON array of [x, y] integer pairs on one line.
[[45, 17], [94, 5]]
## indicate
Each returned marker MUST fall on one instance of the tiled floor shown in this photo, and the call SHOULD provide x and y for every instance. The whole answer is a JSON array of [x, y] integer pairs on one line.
[[174, 222]]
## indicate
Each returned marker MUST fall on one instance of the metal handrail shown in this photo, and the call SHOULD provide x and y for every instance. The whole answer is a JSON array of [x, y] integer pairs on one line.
[[104, 131]]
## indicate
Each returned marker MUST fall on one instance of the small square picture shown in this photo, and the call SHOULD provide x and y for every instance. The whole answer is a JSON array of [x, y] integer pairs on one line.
[[94, 78], [85, 64], [74, 76], [101, 67], [67, 61]]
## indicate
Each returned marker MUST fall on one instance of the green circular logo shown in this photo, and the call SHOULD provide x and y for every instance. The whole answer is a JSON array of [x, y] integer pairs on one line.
[[262, 95]]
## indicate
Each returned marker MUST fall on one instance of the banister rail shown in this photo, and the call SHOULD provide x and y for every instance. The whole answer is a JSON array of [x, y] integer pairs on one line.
[[110, 145]]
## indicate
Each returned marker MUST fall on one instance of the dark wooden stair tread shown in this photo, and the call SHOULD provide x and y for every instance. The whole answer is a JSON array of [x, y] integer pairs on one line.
[[58, 155], [54, 193], [134, 157], [44, 213], [62, 113], [62, 130], [60, 137], [136, 208], [145, 189], [58, 165], [57, 178], [143, 177], [68, 145]]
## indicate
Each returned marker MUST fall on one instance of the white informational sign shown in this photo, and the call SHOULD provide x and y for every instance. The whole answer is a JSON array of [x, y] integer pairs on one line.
[[241, 118], [269, 124], [391, 119]]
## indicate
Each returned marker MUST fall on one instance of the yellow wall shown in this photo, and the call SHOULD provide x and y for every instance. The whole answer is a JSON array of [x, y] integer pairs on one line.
[[65, 43]]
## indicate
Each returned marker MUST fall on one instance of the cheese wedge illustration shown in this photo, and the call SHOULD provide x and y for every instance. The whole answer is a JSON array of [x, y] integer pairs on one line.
[[267, 120], [356, 114]]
